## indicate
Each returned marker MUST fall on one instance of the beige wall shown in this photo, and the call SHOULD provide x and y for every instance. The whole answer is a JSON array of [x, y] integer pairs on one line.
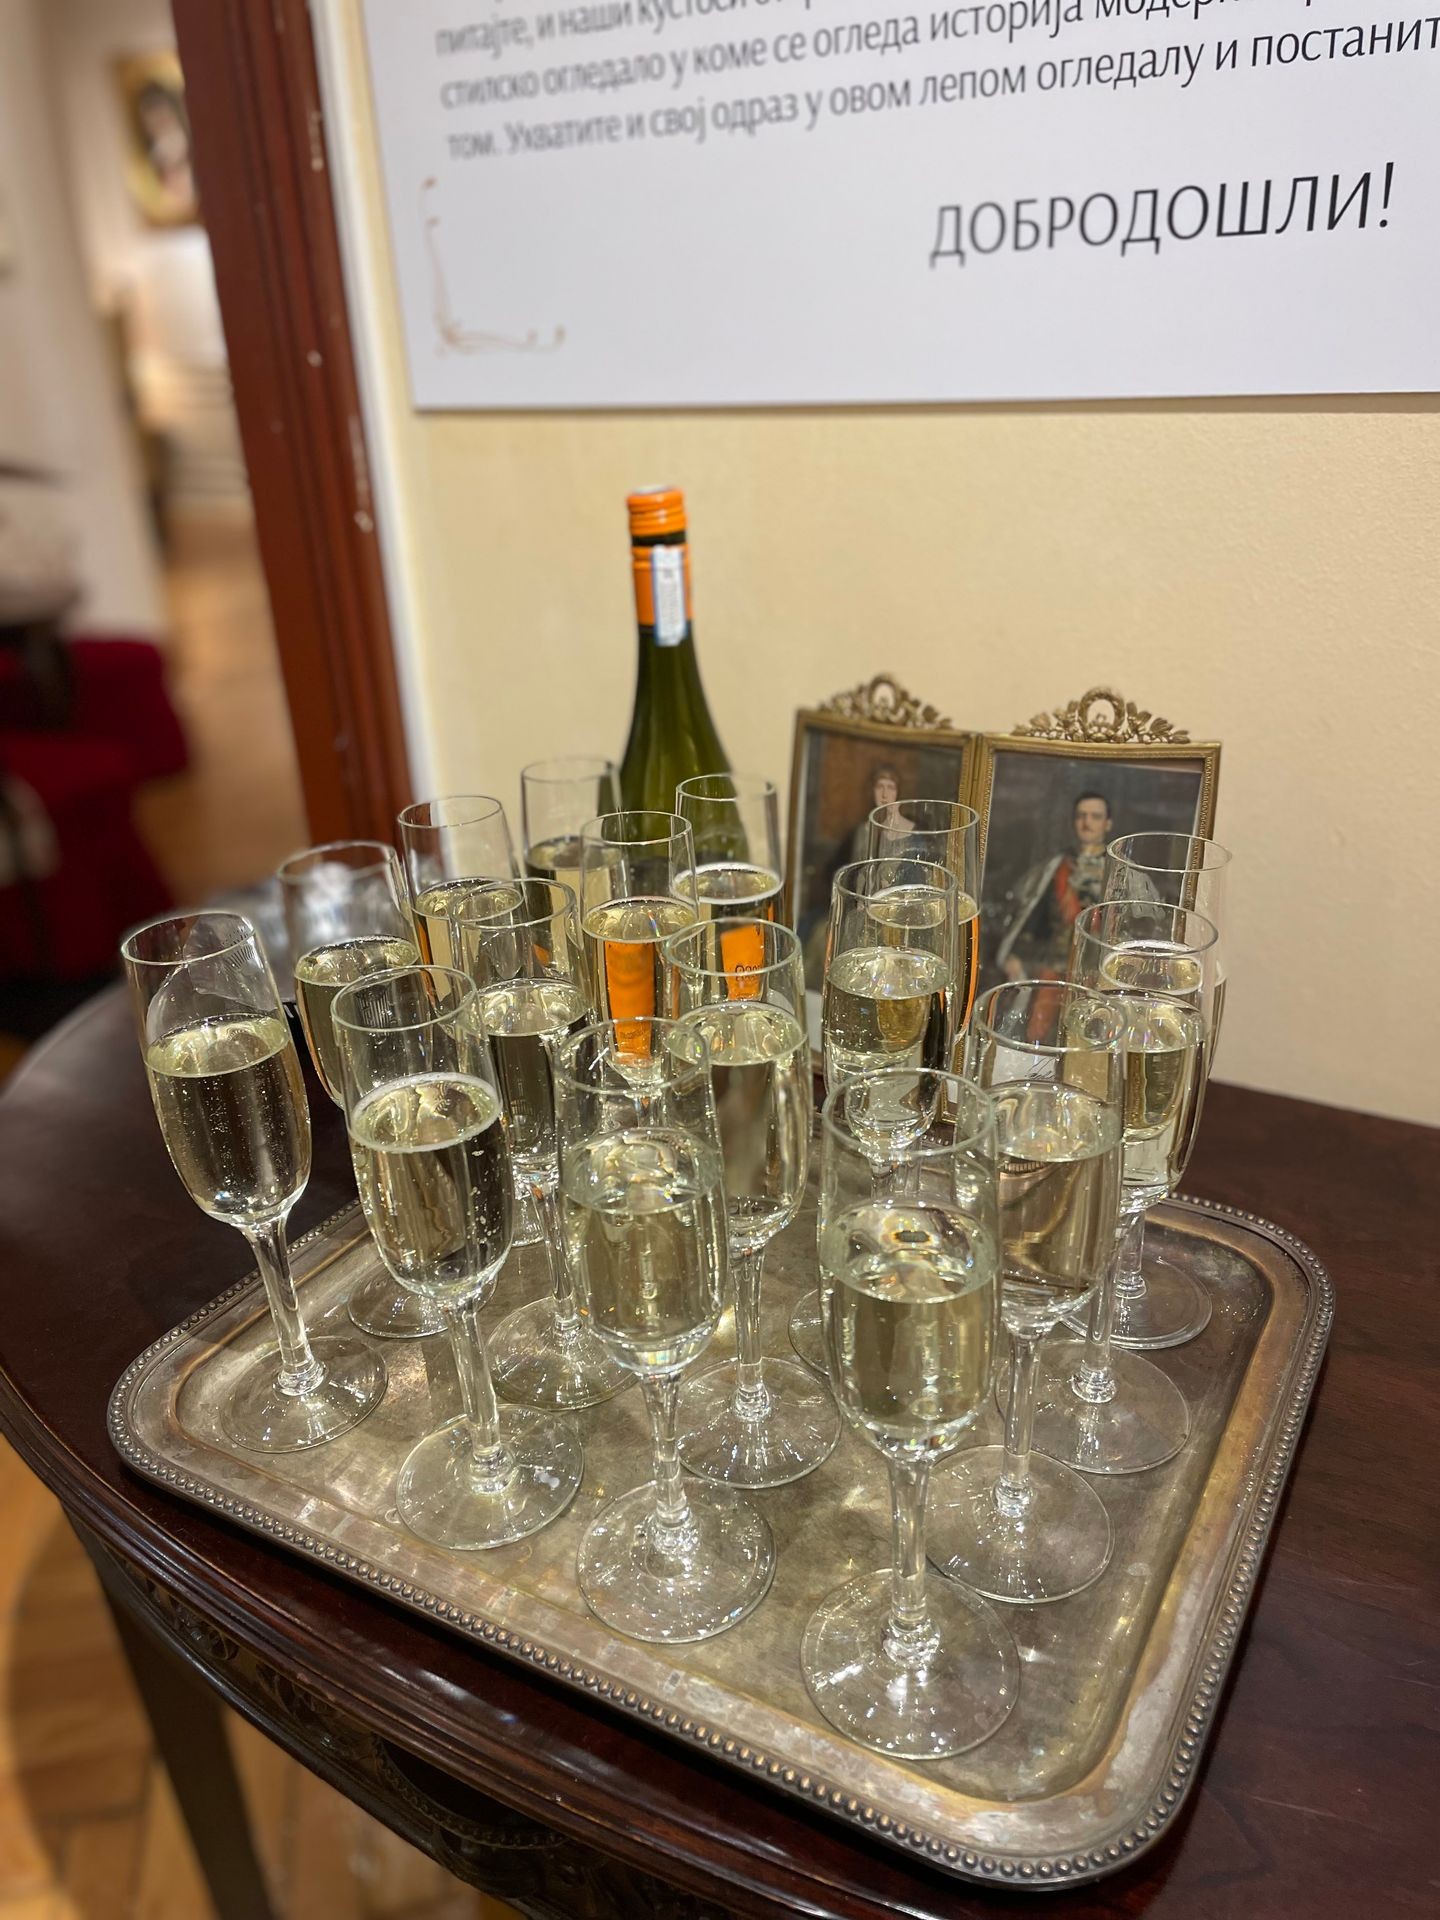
[[60, 402], [1265, 573]]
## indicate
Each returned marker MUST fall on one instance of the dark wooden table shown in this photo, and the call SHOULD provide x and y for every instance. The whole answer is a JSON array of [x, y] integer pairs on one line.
[[1319, 1790]]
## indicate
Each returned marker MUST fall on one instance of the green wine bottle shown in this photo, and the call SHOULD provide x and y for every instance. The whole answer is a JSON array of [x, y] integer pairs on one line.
[[672, 736]]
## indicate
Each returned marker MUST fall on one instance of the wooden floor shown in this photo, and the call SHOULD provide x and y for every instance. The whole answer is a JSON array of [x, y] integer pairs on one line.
[[89, 1828], [238, 812]]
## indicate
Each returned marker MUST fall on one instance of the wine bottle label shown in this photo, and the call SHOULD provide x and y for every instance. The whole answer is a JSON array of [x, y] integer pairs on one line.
[[662, 592]]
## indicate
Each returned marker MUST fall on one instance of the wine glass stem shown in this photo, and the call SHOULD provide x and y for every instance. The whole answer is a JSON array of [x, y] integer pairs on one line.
[[672, 1509], [1012, 1489], [489, 1459], [1129, 1279], [909, 1638], [547, 1199], [300, 1372], [751, 1396], [1094, 1380]]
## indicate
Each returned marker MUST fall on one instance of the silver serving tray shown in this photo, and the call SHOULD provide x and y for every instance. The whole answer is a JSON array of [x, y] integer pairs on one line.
[[1119, 1684]]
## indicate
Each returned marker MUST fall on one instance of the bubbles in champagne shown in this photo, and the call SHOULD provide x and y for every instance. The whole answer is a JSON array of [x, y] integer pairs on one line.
[[231, 1107], [760, 1071], [910, 1322], [434, 1177], [885, 1007], [320, 975], [645, 1227], [521, 1018]]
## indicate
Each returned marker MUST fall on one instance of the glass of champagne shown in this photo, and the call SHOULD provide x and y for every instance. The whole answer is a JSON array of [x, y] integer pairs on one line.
[[1182, 870], [347, 913], [1099, 1407], [889, 998], [1147, 947], [225, 1080], [455, 849], [912, 1666], [643, 1196], [1009, 1523], [529, 970], [637, 885], [431, 1161], [740, 984], [557, 798], [735, 820], [947, 834]]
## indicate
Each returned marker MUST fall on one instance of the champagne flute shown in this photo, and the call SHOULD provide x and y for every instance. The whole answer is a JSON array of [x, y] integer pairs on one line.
[[431, 1161], [347, 913], [557, 797], [1099, 1407], [1140, 949], [225, 1080], [454, 849], [637, 884], [740, 984], [1013, 1525], [888, 997], [642, 1192], [735, 820], [916, 1667], [1182, 870], [947, 834], [529, 969]]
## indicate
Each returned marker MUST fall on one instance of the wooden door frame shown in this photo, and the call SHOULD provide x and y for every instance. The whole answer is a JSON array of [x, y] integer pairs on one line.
[[260, 154]]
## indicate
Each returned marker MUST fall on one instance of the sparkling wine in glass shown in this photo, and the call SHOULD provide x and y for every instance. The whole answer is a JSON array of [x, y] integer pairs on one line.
[[946, 834], [740, 985], [226, 1085], [530, 974], [432, 1162], [457, 853], [557, 798], [911, 1665], [735, 821], [643, 1197], [889, 995], [1009, 1523], [1098, 1406], [636, 888], [347, 914]]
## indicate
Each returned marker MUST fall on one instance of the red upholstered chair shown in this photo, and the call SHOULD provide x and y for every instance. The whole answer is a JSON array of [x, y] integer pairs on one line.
[[120, 728], [115, 690]]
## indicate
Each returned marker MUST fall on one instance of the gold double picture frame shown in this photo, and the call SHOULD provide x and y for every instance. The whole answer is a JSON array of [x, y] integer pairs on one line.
[[1050, 795]]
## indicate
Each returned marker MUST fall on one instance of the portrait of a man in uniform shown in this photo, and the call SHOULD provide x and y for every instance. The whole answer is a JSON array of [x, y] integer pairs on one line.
[[1035, 944]]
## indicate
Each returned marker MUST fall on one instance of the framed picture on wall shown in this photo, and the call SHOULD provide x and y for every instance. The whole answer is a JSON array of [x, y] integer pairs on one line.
[[1051, 796], [162, 179], [861, 750]]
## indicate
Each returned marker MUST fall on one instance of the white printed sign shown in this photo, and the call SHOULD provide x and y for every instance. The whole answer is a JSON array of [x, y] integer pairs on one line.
[[781, 202]]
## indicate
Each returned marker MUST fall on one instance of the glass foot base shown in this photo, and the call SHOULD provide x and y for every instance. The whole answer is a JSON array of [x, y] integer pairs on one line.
[[957, 1698], [536, 1363], [796, 1433], [1059, 1545], [807, 1334], [262, 1419], [1145, 1424], [688, 1588], [381, 1306], [1172, 1309], [437, 1499]]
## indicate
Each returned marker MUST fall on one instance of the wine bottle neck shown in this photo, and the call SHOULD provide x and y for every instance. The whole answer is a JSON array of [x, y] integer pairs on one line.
[[662, 592]]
